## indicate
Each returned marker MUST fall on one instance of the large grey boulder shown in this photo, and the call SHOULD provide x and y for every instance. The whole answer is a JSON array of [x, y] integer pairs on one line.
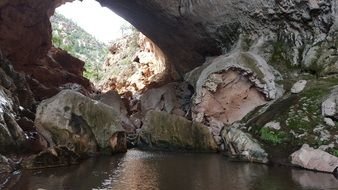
[[166, 131], [314, 159], [244, 146], [80, 123]]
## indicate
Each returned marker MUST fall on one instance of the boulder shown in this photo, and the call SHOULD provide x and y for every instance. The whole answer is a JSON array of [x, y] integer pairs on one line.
[[172, 98], [166, 131], [314, 159], [298, 86], [329, 106], [113, 99], [244, 146], [78, 122], [273, 125]]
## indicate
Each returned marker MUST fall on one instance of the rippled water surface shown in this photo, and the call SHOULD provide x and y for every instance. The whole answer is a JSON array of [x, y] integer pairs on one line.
[[173, 171]]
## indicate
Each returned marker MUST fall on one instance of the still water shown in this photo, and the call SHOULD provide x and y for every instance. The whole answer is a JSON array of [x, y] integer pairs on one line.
[[142, 170]]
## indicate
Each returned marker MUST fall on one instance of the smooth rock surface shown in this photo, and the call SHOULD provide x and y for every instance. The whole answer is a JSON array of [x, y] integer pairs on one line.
[[166, 131], [314, 159], [298, 86]]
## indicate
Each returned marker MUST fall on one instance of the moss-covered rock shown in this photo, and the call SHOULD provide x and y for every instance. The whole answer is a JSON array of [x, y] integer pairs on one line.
[[300, 118], [165, 131]]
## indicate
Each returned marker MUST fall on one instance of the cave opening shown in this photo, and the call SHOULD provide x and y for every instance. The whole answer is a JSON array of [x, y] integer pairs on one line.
[[115, 54]]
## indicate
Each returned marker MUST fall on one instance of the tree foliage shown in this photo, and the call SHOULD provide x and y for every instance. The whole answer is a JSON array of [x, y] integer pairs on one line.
[[70, 37]]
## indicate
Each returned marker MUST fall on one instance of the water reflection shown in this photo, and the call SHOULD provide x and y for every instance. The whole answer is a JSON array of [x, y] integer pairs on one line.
[[157, 170], [314, 180]]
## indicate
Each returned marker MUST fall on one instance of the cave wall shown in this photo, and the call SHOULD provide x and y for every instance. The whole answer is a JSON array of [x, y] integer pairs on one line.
[[187, 31]]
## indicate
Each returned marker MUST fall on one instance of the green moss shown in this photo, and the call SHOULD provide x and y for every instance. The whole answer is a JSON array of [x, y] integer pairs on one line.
[[334, 152], [274, 137]]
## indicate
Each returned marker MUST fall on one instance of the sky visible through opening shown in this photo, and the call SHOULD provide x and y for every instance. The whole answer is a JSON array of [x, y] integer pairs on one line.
[[99, 21]]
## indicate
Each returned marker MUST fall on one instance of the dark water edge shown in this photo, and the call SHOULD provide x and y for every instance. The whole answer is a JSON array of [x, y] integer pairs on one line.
[[144, 170]]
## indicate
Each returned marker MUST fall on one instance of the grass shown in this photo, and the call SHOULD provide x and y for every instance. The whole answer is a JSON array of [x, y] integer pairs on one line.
[[334, 152]]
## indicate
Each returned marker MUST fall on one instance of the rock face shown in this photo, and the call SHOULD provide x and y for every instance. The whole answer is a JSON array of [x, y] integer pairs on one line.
[[243, 146], [60, 69], [165, 131], [314, 159], [83, 125], [14, 92]]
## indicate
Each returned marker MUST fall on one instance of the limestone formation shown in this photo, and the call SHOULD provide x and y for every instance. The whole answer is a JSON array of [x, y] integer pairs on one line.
[[314, 159], [78, 122], [165, 131]]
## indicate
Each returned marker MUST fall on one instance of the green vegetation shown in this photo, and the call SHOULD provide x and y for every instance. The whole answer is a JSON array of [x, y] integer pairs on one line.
[[274, 137], [79, 43], [334, 152], [299, 115]]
